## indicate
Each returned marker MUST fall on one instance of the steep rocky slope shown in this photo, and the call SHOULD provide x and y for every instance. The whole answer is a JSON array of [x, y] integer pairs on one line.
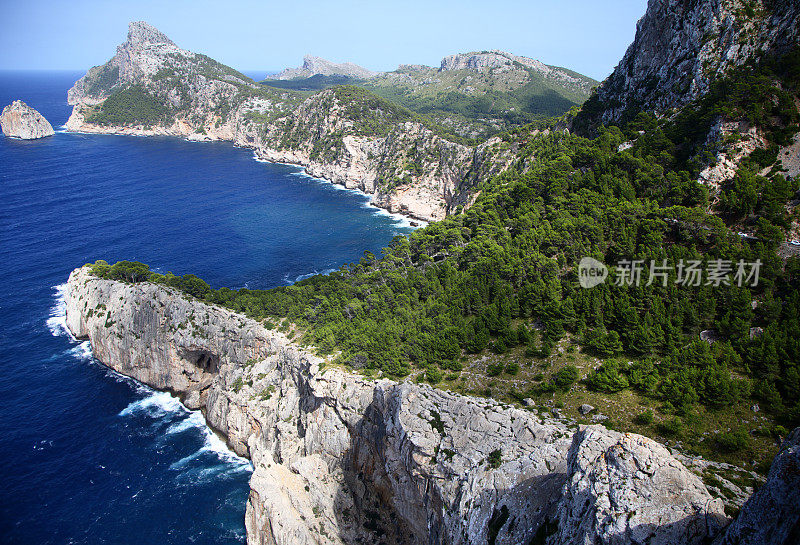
[[772, 515], [341, 459], [345, 135], [682, 46], [21, 121], [703, 63]]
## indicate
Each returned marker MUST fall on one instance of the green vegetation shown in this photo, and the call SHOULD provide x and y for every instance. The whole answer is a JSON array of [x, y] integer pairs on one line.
[[317, 82], [496, 286], [485, 101], [465, 105], [133, 105], [101, 79]]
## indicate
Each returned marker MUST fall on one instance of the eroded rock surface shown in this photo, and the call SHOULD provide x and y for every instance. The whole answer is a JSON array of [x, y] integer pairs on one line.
[[21, 121], [339, 459], [682, 46], [626, 488], [772, 515]]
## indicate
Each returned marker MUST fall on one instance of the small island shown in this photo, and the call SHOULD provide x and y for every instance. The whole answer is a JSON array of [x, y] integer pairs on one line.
[[19, 120]]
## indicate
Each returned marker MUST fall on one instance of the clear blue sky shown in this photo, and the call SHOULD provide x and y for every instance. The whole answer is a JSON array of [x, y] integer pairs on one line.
[[588, 36]]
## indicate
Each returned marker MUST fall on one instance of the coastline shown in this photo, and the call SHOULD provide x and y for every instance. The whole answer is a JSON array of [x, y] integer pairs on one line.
[[79, 126], [324, 441]]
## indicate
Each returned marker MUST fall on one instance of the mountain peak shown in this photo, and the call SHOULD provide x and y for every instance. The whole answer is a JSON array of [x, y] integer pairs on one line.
[[141, 33]]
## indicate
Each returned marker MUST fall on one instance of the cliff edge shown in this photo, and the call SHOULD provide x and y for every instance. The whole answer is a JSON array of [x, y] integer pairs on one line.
[[340, 459]]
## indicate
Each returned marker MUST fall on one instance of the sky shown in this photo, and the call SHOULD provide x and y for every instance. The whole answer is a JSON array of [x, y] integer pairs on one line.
[[588, 36]]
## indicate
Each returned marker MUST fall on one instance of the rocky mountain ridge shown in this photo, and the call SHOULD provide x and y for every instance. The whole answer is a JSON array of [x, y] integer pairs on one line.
[[341, 459], [19, 120], [485, 60], [682, 46]]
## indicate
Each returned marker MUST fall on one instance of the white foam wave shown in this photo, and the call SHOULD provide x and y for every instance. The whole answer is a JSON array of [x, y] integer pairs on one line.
[[57, 322], [289, 281], [167, 408], [400, 220], [156, 404], [81, 351]]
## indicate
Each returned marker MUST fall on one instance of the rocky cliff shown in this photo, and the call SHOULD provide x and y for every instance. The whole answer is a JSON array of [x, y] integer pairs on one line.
[[341, 459], [681, 46], [19, 120], [772, 515], [345, 135], [313, 66]]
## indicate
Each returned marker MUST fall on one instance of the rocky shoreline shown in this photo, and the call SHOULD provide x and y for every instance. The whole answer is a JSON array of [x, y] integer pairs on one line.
[[328, 172], [339, 459]]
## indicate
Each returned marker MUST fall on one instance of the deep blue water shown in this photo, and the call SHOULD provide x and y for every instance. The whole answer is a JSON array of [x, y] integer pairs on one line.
[[87, 456]]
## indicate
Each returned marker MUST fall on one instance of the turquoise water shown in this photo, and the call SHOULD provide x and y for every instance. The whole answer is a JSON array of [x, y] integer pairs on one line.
[[90, 456]]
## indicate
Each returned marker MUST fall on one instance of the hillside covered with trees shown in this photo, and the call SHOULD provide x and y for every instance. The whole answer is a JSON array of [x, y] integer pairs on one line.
[[488, 300]]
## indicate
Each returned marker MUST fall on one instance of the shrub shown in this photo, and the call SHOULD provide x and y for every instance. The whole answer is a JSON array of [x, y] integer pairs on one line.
[[609, 378], [733, 441], [566, 377], [495, 458], [671, 428], [645, 418]]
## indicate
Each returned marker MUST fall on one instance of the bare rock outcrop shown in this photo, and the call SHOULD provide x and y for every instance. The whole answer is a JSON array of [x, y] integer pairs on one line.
[[313, 66], [625, 488], [772, 515], [495, 59], [682, 46], [19, 120]]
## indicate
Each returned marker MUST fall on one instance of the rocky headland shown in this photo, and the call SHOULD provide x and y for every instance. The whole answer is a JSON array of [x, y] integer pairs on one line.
[[342, 459], [314, 66], [19, 120], [344, 135]]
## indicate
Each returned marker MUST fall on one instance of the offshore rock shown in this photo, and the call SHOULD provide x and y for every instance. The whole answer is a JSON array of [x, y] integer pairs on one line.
[[21, 121]]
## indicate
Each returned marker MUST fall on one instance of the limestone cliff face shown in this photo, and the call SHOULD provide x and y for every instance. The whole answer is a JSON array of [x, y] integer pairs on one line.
[[346, 139], [611, 473], [339, 459], [681, 46], [19, 120]]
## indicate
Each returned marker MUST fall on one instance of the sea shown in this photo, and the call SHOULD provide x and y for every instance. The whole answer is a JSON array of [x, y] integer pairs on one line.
[[90, 456]]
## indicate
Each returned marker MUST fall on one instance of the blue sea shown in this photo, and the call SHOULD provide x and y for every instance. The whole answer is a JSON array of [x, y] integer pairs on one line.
[[89, 456]]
